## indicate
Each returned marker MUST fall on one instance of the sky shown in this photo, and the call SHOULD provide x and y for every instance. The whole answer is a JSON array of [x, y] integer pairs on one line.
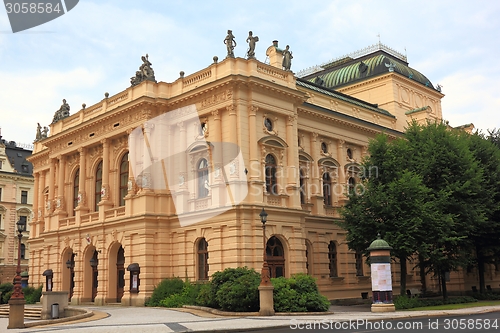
[[97, 47]]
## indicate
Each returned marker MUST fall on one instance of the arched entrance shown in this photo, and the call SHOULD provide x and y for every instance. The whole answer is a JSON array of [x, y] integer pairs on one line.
[[275, 256], [120, 271], [116, 269], [68, 272], [90, 274]]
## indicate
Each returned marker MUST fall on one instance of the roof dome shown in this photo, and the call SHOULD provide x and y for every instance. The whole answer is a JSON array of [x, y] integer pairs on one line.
[[379, 244], [349, 70]]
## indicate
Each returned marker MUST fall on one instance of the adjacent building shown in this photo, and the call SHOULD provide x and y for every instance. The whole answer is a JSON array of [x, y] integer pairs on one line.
[[169, 178], [16, 200]]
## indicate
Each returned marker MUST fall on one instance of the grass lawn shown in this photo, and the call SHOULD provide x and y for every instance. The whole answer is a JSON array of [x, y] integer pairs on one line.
[[456, 306]]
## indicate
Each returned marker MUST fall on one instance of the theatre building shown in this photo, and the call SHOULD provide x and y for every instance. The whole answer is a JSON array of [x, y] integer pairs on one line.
[[168, 178]]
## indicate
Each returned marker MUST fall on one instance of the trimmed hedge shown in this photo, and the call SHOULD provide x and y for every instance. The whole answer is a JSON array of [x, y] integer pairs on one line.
[[298, 294], [166, 288]]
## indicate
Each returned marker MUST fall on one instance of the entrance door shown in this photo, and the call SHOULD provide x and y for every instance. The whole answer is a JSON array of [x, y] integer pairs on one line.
[[275, 256], [120, 273], [94, 275]]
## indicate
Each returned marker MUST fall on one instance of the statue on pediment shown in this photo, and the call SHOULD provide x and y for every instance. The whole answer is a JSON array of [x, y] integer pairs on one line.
[[62, 113], [145, 72]]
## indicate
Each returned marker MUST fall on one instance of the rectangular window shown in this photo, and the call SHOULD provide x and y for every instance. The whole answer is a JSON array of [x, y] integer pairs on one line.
[[0, 194], [1, 164], [24, 197], [1, 224]]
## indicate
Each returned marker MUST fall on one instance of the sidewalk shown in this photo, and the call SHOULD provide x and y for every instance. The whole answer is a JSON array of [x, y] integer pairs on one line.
[[153, 320]]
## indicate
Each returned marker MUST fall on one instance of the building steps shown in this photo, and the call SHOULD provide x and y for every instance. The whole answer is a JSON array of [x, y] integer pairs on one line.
[[29, 312]]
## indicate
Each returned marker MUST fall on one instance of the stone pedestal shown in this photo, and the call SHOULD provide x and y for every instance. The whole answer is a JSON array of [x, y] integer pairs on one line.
[[52, 297], [266, 300], [383, 307], [16, 313]]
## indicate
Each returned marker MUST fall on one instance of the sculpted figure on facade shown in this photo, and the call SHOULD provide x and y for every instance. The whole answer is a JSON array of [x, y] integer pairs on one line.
[[287, 58], [62, 113], [145, 72], [251, 40], [229, 41], [38, 132]]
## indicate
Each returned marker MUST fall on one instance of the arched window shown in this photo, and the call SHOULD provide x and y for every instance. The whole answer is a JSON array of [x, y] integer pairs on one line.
[[303, 193], [271, 181], [203, 185], [76, 188], [98, 186], [332, 259], [123, 179], [327, 189], [351, 185], [309, 255], [275, 257], [202, 259], [23, 251]]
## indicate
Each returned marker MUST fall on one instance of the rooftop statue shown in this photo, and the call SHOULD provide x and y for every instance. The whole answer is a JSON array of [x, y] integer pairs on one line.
[[251, 45], [229, 40], [62, 113], [287, 58], [38, 132], [145, 72]]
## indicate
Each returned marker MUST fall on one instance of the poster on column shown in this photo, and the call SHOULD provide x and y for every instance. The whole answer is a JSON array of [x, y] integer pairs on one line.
[[381, 277]]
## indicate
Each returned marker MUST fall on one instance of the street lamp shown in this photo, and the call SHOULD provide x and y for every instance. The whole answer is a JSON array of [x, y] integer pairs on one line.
[[265, 288], [16, 302], [18, 291], [264, 276]]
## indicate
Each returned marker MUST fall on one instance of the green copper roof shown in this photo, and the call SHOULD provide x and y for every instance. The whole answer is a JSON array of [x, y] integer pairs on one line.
[[416, 110], [379, 244], [351, 70]]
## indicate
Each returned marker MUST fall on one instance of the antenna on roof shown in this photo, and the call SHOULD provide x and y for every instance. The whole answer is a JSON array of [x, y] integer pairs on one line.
[[378, 38], [406, 55]]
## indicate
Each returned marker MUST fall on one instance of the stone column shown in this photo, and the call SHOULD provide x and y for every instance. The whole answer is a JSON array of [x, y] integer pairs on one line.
[[218, 187], [182, 193], [82, 196], [292, 188], [145, 180], [40, 207], [315, 174], [59, 202], [36, 195], [52, 170], [105, 202]]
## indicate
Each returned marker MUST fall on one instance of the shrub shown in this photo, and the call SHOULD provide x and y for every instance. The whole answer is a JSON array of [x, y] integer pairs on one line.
[[163, 290], [487, 296], [405, 302], [241, 294], [187, 296], [209, 297], [5, 288], [32, 295], [298, 294]]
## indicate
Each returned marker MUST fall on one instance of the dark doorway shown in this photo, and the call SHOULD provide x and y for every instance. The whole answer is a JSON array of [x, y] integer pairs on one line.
[[275, 256], [72, 276], [120, 273], [93, 263]]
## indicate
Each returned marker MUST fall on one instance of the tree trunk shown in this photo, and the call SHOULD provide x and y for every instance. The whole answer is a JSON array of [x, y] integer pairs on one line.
[[443, 285], [423, 281], [480, 269], [402, 284]]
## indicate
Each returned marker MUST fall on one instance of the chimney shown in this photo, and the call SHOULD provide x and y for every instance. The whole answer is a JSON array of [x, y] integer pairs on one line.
[[275, 55]]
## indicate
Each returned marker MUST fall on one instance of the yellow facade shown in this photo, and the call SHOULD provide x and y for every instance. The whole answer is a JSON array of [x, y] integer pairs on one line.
[[106, 187]]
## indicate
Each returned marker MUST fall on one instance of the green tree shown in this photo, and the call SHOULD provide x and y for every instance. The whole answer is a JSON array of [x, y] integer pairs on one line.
[[485, 235], [425, 199], [395, 204]]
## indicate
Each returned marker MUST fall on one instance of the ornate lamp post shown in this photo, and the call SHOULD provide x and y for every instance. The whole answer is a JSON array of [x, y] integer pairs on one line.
[[16, 302], [265, 287]]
